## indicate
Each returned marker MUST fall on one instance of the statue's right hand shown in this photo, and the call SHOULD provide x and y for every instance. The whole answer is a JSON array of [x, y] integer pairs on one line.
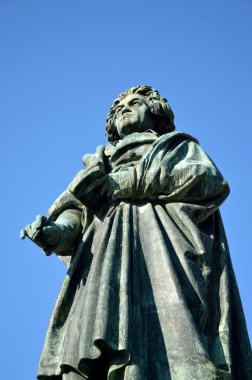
[[45, 233]]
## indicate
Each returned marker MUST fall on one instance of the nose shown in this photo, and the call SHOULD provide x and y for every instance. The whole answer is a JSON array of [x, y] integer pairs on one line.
[[126, 108]]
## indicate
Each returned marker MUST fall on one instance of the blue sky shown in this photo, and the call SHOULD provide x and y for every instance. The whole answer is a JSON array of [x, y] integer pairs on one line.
[[62, 64]]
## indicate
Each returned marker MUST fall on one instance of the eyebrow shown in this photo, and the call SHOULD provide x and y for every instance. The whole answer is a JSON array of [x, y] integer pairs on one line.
[[131, 100], [136, 98]]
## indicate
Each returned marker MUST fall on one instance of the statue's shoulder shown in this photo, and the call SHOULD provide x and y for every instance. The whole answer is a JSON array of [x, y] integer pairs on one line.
[[176, 136], [171, 140]]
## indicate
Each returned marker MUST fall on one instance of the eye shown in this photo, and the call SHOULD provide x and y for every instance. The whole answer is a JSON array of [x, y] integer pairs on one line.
[[136, 102]]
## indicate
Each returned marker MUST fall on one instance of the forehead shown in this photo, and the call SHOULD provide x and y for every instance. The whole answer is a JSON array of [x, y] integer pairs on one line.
[[130, 97]]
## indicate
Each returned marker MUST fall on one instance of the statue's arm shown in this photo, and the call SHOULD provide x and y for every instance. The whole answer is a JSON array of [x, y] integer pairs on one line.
[[182, 174], [69, 223]]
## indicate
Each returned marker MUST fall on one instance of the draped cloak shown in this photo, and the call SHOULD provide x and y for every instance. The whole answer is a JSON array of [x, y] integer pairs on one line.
[[150, 288]]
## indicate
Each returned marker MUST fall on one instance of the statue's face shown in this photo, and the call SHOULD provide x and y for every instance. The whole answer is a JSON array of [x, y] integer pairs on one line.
[[133, 115]]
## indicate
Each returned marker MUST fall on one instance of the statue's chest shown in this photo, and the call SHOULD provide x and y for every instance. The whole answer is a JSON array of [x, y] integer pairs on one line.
[[129, 151]]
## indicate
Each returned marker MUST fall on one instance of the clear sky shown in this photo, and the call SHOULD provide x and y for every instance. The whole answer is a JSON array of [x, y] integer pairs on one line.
[[62, 64]]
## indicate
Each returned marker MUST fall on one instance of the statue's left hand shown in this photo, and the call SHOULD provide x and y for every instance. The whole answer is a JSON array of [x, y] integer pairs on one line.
[[45, 233]]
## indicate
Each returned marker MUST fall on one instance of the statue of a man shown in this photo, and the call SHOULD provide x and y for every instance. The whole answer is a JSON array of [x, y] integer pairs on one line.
[[150, 291]]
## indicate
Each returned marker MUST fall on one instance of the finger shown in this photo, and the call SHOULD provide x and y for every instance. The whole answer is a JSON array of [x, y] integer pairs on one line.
[[36, 235], [23, 234], [30, 231], [39, 222]]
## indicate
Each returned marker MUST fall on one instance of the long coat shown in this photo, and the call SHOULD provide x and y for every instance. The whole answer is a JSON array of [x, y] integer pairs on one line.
[[150, 289]]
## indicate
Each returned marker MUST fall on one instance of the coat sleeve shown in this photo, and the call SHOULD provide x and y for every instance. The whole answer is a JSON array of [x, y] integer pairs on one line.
[[177, 171], [66, 212]]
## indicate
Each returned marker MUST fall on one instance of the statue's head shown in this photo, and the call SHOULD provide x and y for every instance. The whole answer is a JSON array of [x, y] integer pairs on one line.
[[137, 110]]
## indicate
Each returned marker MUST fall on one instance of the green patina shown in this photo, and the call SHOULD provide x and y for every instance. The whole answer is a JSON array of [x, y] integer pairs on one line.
[[150, 292]]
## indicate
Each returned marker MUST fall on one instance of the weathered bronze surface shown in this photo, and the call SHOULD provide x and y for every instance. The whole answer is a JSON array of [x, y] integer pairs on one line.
[[150, 291]]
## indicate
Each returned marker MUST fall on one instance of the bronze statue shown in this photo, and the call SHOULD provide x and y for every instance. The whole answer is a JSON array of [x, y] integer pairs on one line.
[[150, 291]]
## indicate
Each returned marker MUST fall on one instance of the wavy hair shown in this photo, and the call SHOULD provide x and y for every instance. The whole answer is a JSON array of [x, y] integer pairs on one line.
[[161, 112]]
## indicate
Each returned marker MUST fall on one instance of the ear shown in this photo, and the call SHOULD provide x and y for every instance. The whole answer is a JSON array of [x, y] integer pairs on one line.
[[154, 108]]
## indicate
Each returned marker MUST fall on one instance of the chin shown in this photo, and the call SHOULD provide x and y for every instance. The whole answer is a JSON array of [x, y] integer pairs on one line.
[[127, 129]]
